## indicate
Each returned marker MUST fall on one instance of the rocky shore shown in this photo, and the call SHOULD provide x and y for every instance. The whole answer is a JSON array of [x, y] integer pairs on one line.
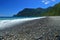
[[39, 29]]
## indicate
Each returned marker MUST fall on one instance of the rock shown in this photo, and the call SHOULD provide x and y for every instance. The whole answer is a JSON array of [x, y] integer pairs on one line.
[[1, 37], [58, 37]]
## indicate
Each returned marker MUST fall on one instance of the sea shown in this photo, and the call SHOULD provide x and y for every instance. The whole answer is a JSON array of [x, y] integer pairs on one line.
[[9, 21]]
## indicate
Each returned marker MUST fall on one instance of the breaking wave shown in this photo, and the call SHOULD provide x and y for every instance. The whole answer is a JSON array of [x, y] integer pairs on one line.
[[8, 22]]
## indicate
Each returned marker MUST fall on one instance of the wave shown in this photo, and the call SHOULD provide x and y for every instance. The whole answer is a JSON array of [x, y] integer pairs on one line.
[[8, 23]]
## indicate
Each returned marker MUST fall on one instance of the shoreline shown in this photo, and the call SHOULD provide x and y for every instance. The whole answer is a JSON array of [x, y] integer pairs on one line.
[[15, 21], [39, 29]]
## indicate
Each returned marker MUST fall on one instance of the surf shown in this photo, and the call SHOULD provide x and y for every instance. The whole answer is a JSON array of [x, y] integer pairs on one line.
[[10, 22]]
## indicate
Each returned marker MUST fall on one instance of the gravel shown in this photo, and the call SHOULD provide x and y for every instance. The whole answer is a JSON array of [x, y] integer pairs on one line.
[[39, 29]]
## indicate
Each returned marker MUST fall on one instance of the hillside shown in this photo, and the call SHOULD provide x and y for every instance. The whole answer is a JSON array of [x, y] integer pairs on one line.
[[53, 11], [31, 12]]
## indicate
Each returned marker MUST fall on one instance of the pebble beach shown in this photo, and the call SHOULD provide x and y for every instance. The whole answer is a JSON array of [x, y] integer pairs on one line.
[[39, 29]]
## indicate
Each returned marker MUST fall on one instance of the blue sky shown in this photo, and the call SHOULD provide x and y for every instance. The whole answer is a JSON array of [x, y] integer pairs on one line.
[[11, 7]]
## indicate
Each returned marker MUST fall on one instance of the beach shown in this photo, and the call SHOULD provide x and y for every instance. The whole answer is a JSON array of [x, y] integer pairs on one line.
[[39, 29]]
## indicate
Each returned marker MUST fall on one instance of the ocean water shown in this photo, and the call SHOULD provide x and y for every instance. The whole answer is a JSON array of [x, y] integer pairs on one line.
[[9, 21]]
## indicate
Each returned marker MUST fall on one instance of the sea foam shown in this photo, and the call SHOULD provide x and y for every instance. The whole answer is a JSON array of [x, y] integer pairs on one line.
[[8, 23]]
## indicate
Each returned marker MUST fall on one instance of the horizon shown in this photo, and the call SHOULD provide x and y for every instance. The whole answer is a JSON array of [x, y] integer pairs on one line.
[[11, 7]]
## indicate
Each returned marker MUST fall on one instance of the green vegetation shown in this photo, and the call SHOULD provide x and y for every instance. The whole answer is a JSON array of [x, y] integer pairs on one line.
[[53, 11], [30, 12]]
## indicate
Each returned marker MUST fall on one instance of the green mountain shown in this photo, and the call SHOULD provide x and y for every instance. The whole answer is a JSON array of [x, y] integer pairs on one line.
[[53, 11], [50, 11], [30, 12]]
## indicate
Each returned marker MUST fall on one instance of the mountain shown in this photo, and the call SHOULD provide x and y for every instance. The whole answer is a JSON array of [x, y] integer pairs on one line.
[[53, 11], [31, 12]]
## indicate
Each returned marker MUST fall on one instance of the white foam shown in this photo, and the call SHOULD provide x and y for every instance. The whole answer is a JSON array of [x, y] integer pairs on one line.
[[8, 23]]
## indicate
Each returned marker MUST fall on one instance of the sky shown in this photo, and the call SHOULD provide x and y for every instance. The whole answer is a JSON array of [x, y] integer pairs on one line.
[[11, 7]]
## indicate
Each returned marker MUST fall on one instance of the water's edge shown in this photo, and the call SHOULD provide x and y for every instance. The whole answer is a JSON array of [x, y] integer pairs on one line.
[[8, 22]]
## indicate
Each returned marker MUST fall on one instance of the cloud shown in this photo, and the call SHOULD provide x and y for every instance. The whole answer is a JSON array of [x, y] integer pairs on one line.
[[45, 1]]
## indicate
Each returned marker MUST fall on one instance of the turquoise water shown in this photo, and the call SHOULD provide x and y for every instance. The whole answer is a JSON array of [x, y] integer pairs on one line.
[[10, 18]]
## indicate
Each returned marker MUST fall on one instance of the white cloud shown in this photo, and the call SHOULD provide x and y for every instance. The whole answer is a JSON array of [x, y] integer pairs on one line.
[[43, 1], [47, 2]]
